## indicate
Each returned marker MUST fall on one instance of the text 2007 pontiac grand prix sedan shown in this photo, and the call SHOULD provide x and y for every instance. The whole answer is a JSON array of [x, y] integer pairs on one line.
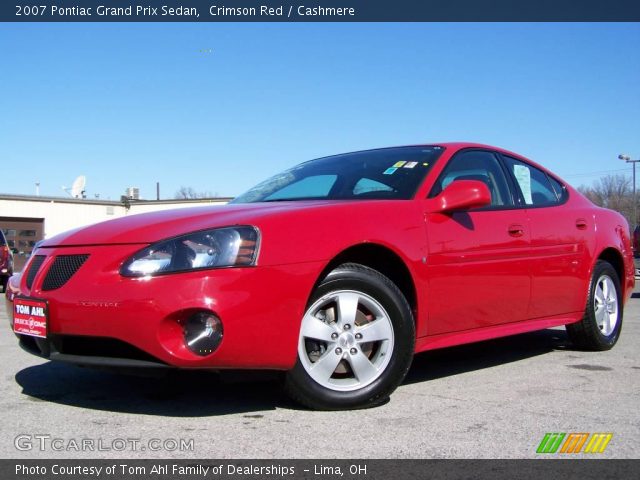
[[336, 271]]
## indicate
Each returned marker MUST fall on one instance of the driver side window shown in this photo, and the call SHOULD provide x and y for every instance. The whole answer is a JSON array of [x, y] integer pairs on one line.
[[476, 165]]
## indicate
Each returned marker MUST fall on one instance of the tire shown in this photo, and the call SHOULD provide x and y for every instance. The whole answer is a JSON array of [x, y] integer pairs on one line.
[[337, 368], [600, 326]]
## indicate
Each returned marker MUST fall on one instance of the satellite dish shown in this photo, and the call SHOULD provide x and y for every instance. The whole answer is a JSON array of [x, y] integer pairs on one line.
[[77, 190]]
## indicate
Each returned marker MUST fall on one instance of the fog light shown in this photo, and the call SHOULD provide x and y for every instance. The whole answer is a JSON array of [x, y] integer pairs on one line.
[[203, 333]]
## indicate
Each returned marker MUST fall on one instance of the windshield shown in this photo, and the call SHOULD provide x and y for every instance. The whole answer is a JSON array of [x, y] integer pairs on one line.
[[388, 173]]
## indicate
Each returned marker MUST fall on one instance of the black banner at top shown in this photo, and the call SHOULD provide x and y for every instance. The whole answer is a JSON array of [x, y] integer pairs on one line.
[[320, 11]]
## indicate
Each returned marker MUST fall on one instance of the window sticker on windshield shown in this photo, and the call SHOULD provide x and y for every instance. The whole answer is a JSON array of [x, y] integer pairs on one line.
[[389, 171], [411, 164], [523, 176], [399, 164]]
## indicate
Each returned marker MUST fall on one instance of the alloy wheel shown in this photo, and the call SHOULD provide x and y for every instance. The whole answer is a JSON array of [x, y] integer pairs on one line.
[[345, 340], [606, 305]]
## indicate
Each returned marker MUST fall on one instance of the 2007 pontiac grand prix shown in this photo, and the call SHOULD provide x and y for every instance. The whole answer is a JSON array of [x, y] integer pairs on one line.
[[336, 272]]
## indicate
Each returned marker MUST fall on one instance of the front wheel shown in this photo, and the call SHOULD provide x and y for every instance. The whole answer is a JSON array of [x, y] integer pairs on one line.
[[356, 341], [600, 327]]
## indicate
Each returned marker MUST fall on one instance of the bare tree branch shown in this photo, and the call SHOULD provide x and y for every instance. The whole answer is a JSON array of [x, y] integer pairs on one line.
[[190, 193], [614, 192]]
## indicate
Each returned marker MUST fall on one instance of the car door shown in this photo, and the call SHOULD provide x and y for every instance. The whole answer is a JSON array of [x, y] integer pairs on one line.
[[478, 274], [559, 247]]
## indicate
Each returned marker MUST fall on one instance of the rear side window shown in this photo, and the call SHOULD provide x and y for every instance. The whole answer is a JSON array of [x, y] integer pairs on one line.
[[534, 185], [560, 189]]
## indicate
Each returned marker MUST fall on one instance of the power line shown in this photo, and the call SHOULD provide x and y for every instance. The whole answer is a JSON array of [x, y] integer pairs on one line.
[[592, 174]]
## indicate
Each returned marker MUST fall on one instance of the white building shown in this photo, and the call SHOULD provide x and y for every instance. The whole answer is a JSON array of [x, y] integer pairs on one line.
[[27, 219]]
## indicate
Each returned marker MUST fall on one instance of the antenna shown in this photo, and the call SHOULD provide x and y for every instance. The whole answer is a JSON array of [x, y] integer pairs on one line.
[[77, 190]]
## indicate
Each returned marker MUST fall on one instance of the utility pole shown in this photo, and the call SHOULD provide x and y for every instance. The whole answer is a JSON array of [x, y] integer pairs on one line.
[[628, 159]]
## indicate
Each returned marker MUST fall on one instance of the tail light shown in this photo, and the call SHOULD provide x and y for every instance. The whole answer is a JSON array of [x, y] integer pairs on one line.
[[4, 253]]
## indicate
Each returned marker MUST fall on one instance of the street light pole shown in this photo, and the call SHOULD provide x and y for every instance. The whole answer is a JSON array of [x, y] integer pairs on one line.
[[628, 159]]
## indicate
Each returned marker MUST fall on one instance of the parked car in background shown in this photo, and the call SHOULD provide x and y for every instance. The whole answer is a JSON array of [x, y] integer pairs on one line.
[[636, 250], [6, 261], [336, 272]]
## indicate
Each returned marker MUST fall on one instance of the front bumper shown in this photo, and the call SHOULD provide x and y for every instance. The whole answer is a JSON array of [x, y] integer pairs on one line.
[[260, 308], [89, 351]]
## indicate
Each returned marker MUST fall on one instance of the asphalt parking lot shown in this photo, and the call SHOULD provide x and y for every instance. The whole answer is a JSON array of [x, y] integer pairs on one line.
[[496, 399]]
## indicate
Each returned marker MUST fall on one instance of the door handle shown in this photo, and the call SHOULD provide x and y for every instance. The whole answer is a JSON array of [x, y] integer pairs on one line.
[[516, 230], [581, 224]]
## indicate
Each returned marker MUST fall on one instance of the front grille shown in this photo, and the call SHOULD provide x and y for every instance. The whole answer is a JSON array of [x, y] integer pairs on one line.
[[83, 350], [98, 347], [33, 269], [63, 268]]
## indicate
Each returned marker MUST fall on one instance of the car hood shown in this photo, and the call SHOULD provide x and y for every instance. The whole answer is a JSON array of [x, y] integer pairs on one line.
[[151, 227]]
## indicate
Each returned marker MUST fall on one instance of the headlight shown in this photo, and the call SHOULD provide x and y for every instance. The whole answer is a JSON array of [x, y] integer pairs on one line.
[[221, 247]]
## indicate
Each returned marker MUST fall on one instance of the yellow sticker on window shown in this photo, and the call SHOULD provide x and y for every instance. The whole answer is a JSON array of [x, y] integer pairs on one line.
[[398, 164]]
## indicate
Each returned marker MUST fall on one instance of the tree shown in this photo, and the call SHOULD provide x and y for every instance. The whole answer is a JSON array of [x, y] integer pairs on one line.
[[190, 192], [614, 192]]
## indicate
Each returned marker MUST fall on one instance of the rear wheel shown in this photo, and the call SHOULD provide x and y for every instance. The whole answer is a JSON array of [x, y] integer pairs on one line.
[[600, 327], [356, 341]]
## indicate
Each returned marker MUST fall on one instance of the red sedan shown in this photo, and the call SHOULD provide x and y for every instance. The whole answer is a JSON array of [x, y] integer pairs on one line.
[[336, 271]]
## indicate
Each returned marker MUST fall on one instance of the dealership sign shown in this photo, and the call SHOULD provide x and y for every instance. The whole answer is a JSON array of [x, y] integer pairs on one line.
[[30, 317]]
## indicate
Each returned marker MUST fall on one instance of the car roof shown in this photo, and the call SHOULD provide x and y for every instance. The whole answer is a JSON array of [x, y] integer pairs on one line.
[[454, 146], [461, 145]]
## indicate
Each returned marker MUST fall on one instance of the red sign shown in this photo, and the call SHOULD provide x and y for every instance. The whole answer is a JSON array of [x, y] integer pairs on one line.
[[30, 317]]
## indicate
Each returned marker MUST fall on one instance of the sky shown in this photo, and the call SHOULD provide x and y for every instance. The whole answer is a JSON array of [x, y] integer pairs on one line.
[[220, 107]]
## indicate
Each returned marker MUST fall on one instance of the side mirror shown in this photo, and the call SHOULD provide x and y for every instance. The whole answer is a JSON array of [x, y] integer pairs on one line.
[[462, 195]]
